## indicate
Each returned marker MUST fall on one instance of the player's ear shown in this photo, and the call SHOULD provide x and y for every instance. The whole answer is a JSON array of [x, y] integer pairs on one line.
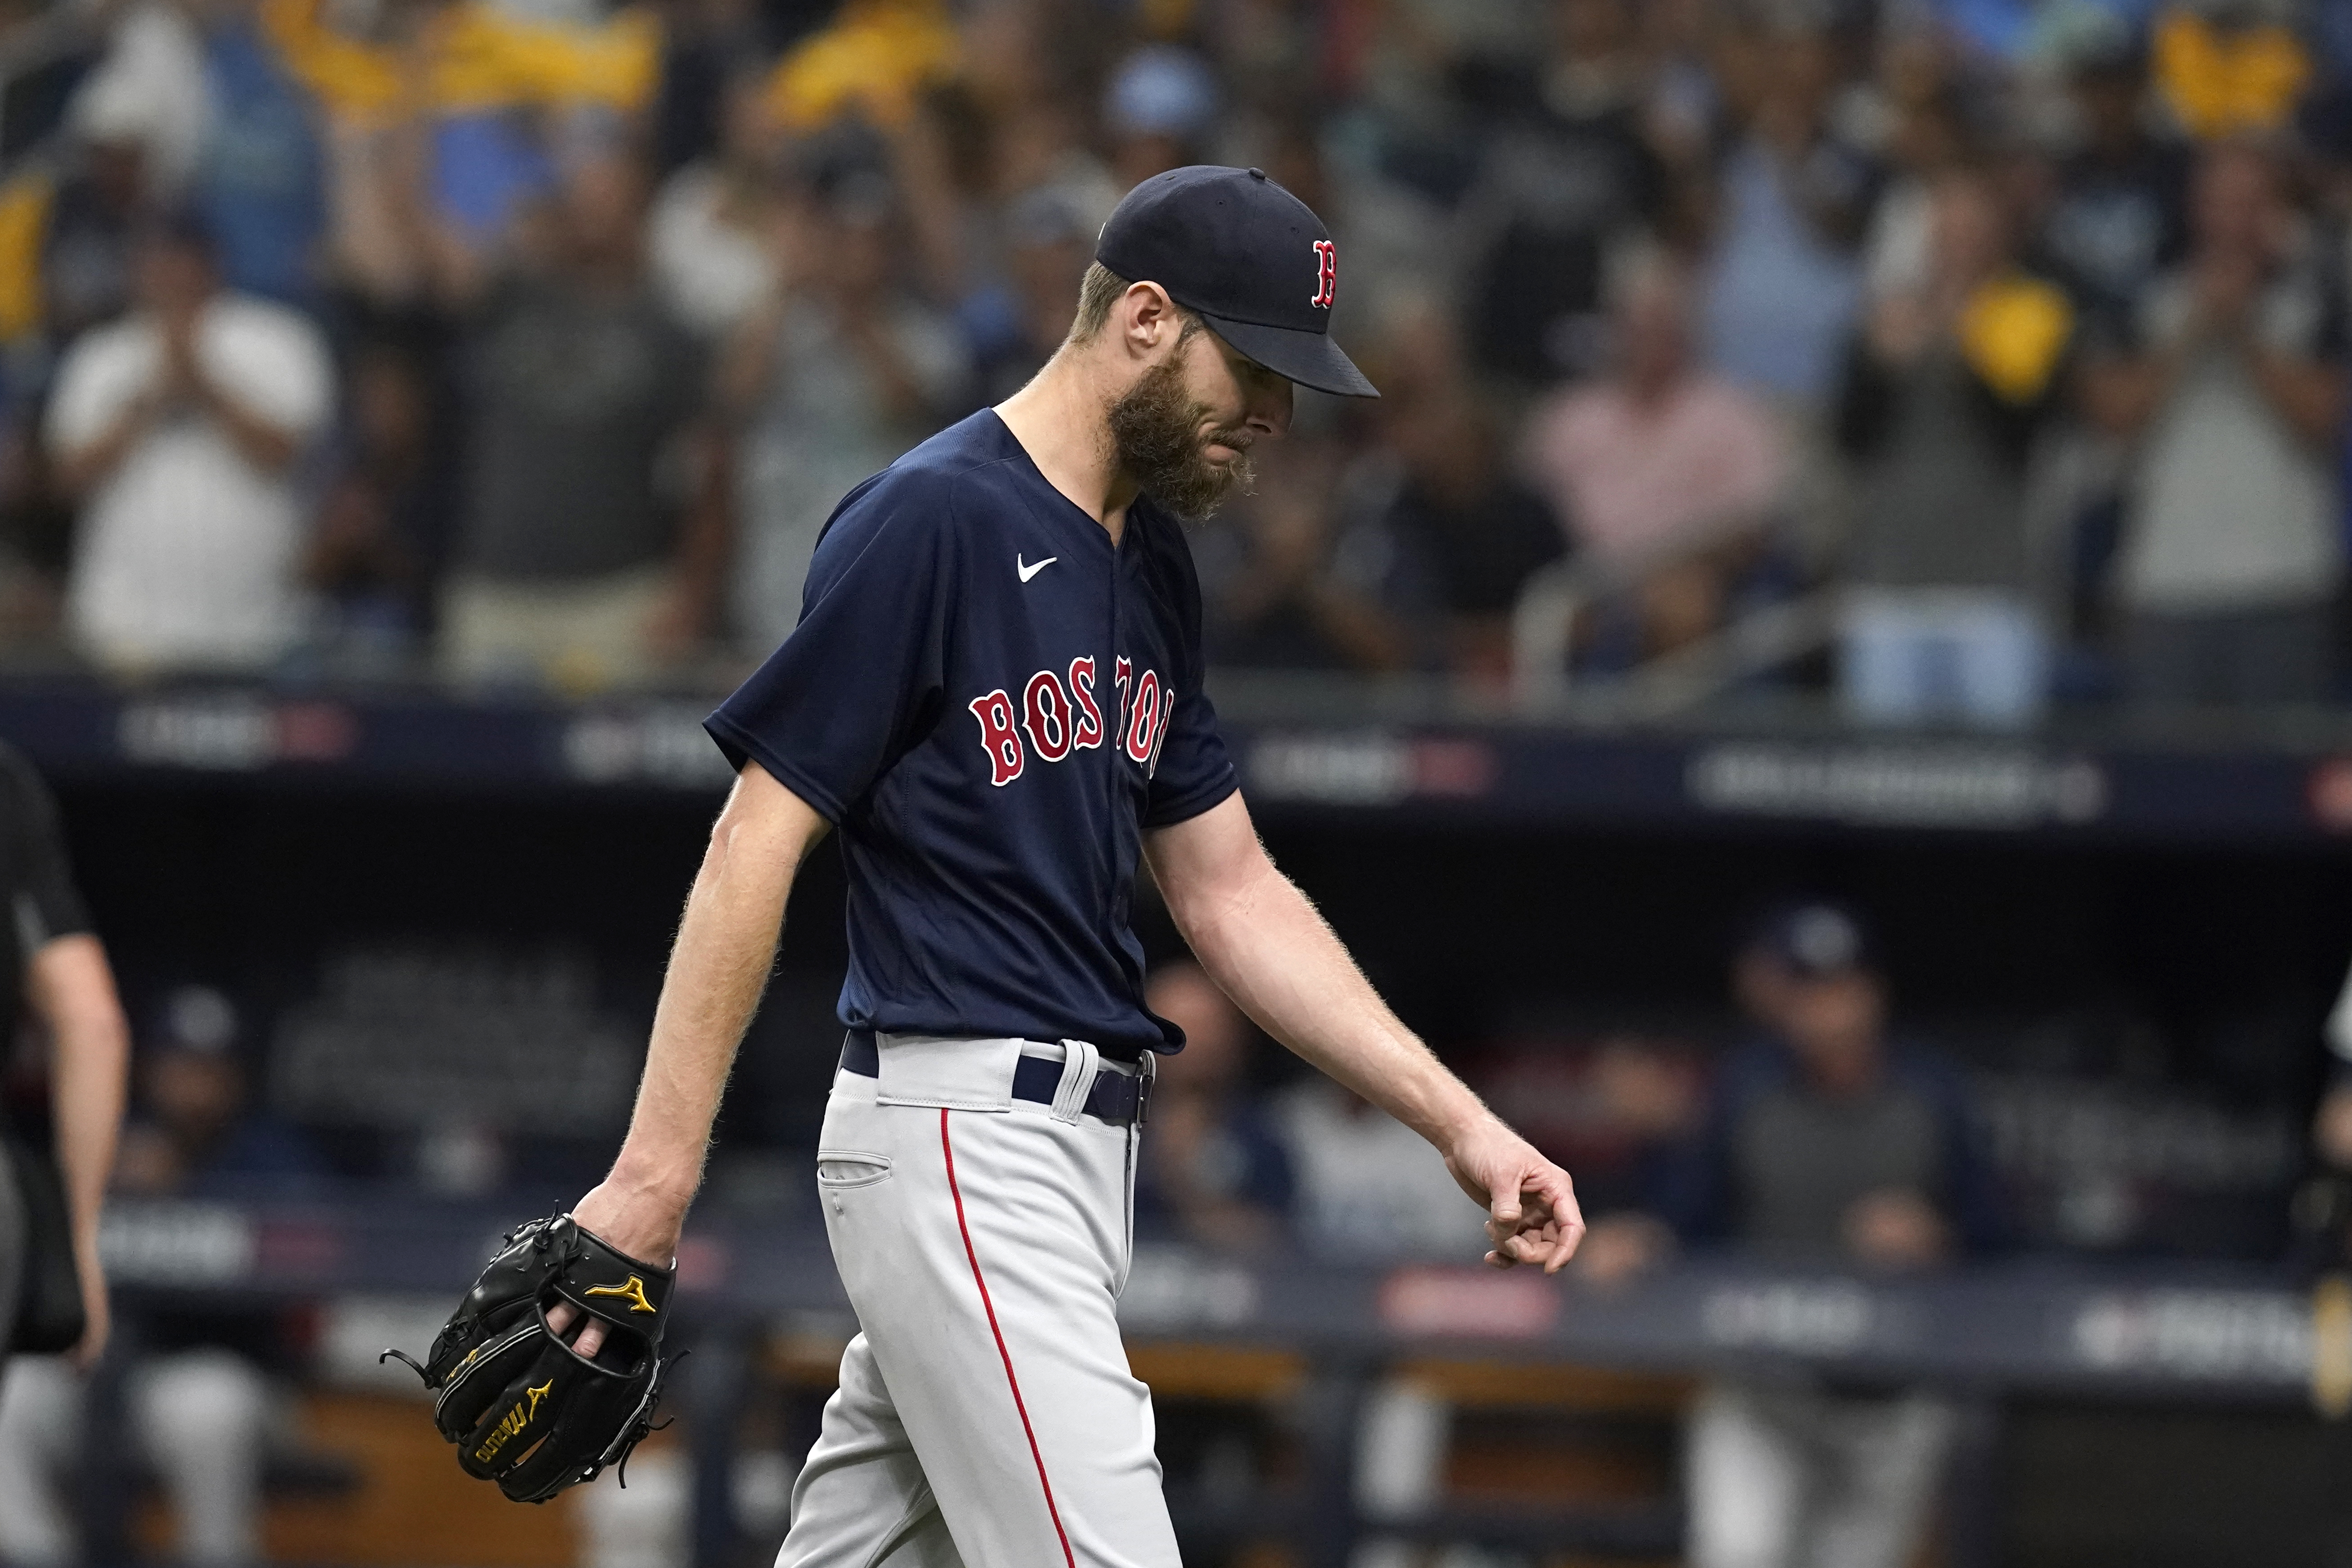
[[1149, 319]]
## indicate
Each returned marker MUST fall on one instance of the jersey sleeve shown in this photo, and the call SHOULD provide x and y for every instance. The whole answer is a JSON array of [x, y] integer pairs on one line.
[[862, 678], [1193, 772], [43, 904]]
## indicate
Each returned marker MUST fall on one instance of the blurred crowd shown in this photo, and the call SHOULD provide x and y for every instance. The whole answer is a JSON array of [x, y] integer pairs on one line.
[[1999, 344]]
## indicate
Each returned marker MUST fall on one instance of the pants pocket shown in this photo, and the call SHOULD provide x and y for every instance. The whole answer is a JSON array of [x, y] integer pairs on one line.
[[840, 1168]]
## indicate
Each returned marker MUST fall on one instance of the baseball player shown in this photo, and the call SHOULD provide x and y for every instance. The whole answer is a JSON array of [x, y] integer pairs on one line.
[[994, 696]]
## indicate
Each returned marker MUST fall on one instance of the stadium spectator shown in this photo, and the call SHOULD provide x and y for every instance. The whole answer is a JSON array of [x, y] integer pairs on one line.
[[1410, 556], [1404, 73], [1566, 171], [382, 518], [1826, 1052], [1662, 470], [178, 429], [1159, 111], [196, 1132], [589, 549], [1361, 1195], [2228, 69], [1038, 146], [710, 53], [2119, 215], [1945, 390], [189, 105], [1214, 1169], [1685, 109], [259, 179], [441, 125], [1049, 244], [88, 259], [1782, 280], [2232, 394], [36, 533], [708, 234], [1929, 140], [843, 369], [152, 81], [1494, 156], [200, 1396], [873, 61], [39, 89], [1282, 589], [1828, 1141], [1447, 511]]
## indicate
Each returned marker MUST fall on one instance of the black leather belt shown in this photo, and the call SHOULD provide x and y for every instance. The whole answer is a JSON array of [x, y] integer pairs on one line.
[[1117, 1097]]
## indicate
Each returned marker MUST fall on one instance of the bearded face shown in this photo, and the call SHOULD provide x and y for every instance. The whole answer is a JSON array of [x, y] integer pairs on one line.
[[1156, 426]]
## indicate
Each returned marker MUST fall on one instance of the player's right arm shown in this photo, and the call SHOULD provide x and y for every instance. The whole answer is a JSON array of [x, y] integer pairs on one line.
[[1270, 950], [718, 967]]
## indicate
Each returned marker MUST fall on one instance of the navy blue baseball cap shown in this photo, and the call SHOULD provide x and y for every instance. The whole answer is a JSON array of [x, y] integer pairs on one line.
[[1245, 255]]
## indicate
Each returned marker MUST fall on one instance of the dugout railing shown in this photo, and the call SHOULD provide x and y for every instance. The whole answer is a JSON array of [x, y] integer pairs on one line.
[[1326, 1340]]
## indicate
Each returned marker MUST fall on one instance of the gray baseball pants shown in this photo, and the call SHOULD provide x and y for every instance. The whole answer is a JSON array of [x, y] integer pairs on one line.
[[986, 1416]]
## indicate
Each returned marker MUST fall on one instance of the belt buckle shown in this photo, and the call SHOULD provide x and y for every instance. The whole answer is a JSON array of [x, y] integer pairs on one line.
[[1147, 1070]]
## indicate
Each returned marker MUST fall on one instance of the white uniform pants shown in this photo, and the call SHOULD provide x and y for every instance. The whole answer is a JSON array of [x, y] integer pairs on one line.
[[201, 1416], [986, 1416], [1794, 1478]]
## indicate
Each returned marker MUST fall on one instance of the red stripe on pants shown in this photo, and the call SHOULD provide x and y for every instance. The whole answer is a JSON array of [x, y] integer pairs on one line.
[[947, 1147]]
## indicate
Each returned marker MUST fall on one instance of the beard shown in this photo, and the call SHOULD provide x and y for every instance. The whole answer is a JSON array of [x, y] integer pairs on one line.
[[1155, 429]]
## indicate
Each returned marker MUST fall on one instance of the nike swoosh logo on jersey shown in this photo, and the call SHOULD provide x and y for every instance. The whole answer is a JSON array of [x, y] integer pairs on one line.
[[1028, 571]]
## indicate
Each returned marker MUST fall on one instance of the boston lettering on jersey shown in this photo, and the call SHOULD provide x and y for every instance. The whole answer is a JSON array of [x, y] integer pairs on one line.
[[993, 703], [1059, 720]]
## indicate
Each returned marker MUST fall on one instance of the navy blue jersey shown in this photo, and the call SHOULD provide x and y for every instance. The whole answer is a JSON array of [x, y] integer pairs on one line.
[[992, 702]]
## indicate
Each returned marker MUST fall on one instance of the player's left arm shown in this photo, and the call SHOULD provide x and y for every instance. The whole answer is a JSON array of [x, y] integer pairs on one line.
[[72, 989], [1274, 955]]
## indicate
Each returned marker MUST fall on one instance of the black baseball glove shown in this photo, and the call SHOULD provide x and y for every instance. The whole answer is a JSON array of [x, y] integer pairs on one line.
[[525, 1409]]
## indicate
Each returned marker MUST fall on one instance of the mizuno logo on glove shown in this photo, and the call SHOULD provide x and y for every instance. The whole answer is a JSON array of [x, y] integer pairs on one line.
[[517, 1419], [633, 1293], [523, 1408]]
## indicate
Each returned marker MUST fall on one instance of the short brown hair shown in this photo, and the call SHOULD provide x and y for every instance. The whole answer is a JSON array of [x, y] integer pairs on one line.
[[1097, 293]]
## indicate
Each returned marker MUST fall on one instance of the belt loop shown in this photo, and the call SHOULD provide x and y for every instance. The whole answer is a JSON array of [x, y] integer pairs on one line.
[[1080, 1063]]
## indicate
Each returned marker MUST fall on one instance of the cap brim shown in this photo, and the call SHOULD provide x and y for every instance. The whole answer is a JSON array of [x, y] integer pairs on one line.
[[1310, 359]]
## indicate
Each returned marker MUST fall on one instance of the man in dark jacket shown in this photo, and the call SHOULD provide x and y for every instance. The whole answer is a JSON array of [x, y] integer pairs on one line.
[[1826, 1140], [1827, 1143]]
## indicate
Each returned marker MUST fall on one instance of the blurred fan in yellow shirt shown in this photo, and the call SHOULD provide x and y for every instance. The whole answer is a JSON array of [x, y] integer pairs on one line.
[[463, 57]]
